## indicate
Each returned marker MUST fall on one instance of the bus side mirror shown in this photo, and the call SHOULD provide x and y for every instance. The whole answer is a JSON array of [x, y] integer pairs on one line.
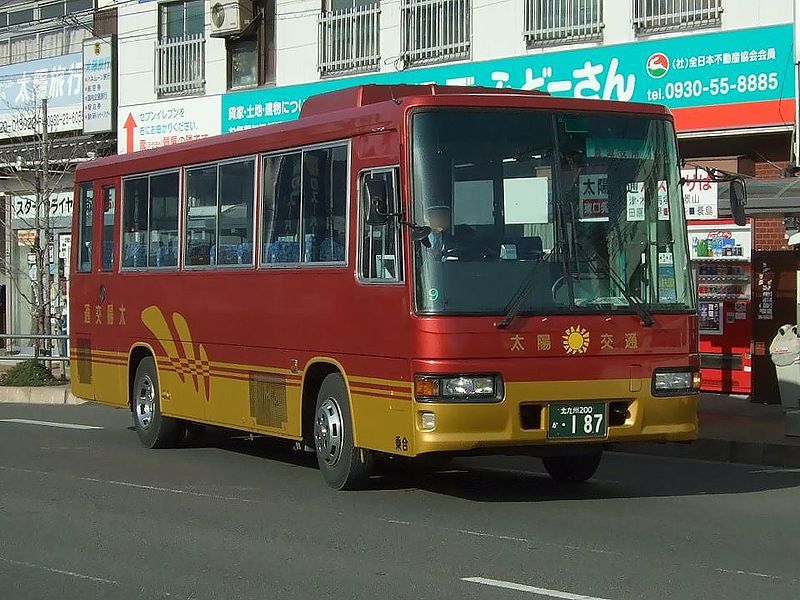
[[377, 193], [738, 201]]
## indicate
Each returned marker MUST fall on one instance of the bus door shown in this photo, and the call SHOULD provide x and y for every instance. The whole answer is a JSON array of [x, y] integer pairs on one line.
[[97, 365]]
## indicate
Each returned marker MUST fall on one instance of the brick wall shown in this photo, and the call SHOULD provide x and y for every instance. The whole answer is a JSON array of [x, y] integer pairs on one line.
[[769, 234], [766, 170]]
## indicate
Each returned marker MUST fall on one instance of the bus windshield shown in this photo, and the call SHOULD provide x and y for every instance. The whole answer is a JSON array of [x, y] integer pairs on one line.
[[549, 213]]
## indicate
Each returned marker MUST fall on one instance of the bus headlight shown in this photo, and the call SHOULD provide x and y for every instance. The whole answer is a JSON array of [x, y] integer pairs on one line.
[[675, 382], [468, 388]]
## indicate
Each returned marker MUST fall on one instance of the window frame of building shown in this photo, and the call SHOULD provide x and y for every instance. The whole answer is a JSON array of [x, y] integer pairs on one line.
[[349, 39], [39, 27], [556, 22], [260, 32], [180, 56], [414, 15], [655, 16], [268, 203]]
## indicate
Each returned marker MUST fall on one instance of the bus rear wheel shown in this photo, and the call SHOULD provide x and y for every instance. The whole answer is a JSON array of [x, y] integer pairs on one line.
[[154, 429], [343, 466], [572, 469]]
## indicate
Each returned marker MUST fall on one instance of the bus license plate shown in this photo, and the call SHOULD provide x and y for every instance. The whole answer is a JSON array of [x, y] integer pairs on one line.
[[577, 420]]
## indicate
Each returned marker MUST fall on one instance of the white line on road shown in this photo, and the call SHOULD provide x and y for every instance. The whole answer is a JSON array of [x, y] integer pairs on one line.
[[508, 585], [20, 563], [49, 424], [128, 484]]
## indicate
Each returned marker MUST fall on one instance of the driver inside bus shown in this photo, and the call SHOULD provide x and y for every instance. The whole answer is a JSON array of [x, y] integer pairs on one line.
[[440, 238]]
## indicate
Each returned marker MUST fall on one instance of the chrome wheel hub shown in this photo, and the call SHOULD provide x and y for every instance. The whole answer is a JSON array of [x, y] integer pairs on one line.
[[145, 402], [328, 432]]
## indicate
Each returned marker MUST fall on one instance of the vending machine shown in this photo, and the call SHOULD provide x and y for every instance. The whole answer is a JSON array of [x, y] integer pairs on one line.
[[721, 256]]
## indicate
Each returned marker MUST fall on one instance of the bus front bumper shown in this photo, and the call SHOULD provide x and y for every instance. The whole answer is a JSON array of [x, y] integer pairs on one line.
[[519, 422]]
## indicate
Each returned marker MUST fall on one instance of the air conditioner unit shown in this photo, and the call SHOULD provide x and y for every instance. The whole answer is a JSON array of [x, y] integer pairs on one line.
[[229, 17]]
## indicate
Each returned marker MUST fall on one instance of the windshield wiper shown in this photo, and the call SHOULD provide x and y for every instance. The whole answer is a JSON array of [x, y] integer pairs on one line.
[[520, 296], [635, 303]]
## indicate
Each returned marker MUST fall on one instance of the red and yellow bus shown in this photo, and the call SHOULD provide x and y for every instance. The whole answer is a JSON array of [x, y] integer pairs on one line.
[[405, 270]]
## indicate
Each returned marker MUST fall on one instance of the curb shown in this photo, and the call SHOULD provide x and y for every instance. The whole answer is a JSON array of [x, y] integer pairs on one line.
[[38, 395], [729, 451]]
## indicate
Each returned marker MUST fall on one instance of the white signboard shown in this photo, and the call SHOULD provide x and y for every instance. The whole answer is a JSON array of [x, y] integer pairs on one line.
[[594, 197], [98, 86], [525, 200], [23, 86], [147, 126], [700, 195], [634, 195], [24, 207]]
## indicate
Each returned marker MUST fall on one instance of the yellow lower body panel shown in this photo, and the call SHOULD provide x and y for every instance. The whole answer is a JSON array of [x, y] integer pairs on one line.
[[641, 417]]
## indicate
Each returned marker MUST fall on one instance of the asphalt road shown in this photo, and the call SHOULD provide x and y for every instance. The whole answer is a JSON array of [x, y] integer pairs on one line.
[[88, 514]]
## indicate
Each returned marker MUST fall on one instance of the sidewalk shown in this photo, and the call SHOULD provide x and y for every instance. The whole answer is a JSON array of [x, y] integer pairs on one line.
[[733, 429]]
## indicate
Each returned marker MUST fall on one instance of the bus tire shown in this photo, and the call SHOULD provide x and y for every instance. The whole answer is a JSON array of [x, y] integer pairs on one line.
[[572, 469], [154, 429], [343, 466]]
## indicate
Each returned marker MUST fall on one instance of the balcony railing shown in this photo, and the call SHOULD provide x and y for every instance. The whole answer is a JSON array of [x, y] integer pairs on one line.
[[349, 40], [562, 21], [435, 30], [669, 15], [180, 65]]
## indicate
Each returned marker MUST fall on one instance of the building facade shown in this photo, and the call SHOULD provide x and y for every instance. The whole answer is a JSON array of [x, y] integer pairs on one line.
[[42, 50]]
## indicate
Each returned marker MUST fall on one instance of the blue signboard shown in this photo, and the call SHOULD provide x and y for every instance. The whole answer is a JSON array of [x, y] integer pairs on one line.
[[708, 69], [23, 86]]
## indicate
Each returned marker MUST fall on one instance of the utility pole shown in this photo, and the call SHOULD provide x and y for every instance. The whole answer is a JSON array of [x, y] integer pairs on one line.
[[43, 230]]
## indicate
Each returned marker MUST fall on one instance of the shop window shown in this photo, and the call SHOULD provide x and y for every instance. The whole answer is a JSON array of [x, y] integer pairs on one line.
[[251, 55]]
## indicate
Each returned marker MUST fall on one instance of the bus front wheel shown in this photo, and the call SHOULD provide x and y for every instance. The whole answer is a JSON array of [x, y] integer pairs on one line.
[[572, 469], [154, 429], [343, 466]]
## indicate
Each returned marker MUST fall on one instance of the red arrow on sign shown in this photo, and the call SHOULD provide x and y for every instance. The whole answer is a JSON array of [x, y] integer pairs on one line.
[[130, 125]]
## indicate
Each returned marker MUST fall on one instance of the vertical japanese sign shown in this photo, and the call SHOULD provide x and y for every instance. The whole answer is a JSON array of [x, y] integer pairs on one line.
[[594, 197], [98, 85], [634, 196], [23, 86]]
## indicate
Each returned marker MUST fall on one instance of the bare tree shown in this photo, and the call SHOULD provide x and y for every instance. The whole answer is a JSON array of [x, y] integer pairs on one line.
[[29, 164]]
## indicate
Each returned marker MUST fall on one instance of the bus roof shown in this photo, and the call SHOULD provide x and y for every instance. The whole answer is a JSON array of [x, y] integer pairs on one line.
[[339, 115]]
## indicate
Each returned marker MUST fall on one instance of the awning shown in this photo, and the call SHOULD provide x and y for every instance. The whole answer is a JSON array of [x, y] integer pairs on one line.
[[765, 196]]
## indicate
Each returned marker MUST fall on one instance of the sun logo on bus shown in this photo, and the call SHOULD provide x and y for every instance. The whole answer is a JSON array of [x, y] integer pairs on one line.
[[576, 340]]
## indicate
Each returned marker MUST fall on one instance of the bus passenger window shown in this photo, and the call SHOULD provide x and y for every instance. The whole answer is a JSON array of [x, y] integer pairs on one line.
[[134, 223], [236, 199], [109, 208], [380, 244], [281, 206], [163, 221], [201, 217], [325, 204], [85, 227]]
